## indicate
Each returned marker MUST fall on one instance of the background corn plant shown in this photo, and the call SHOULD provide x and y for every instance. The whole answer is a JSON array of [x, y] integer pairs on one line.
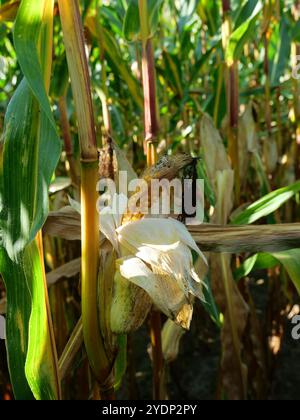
[[221, 78]]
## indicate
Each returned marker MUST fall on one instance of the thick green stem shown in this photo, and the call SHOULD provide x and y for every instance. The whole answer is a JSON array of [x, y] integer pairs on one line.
[[79, 74], [80, 80], [89, 273]]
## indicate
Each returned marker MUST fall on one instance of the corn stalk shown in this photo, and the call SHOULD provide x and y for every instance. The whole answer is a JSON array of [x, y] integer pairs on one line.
[[80, 81], [151, 131], [232, 88], [296, 90]]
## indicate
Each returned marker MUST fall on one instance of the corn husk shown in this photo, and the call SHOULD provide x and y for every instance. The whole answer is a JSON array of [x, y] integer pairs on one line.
[[171, 336], [129, 307]]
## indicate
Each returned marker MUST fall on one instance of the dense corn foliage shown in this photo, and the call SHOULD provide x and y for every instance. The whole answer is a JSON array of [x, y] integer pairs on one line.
[[166, 89]]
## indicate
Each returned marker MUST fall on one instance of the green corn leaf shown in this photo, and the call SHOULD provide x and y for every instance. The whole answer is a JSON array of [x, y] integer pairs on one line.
[[31, 365], [203, 61], [266, 205], [260, 261], [131, 28], [242, 35], [282, 56], [245, 13], [209, 303], [121, 360], [27, 33], [110, 14], [187, 14], [113, 53], [60, 79], [173, 73], [17, 320], [290, 260], [31, 151], [209, 13]]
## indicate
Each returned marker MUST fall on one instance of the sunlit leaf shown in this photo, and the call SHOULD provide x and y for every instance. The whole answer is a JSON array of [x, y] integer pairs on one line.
[[31, 152], [241, 35], [131, 28], [267, 205]]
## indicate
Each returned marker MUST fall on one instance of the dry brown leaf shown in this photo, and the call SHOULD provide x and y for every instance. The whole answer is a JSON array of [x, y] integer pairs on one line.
[[107, 267], [171, 336], [224, 192], [271, 154], [235, 311], [248, 140], [215, 155], [64, 224], [253, 239], [66, 271], [3, 306], [255, 350], [226, 293], [130, 306]]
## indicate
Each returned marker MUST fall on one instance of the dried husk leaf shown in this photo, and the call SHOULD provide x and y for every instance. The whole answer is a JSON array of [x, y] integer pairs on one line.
[[226, 293], [162, 288], [224, 192], [248, 140], [168, 167], [214, 238], [215, 155], [123, 163], [66, 271], [64, 224], [3, 306], [271, 153], [248, 125], [107, 267], [129, 307], [234, 371], [252, 239], [229, 300], [171, 336], [255, 351]]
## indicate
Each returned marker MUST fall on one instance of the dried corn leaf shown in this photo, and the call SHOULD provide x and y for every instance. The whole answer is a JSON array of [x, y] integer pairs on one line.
[[64, 223], [162, 289], [130, 306], [239, 239], [254, 351], [224, 192], [235, 311], [3, 306], [248, 140], [105, 295], [215, 155], [171, 336], [66, 271], [271, 154], [8, 11]]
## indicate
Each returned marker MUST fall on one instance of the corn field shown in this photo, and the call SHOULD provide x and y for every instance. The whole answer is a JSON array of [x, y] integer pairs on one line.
[[105, 292]]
